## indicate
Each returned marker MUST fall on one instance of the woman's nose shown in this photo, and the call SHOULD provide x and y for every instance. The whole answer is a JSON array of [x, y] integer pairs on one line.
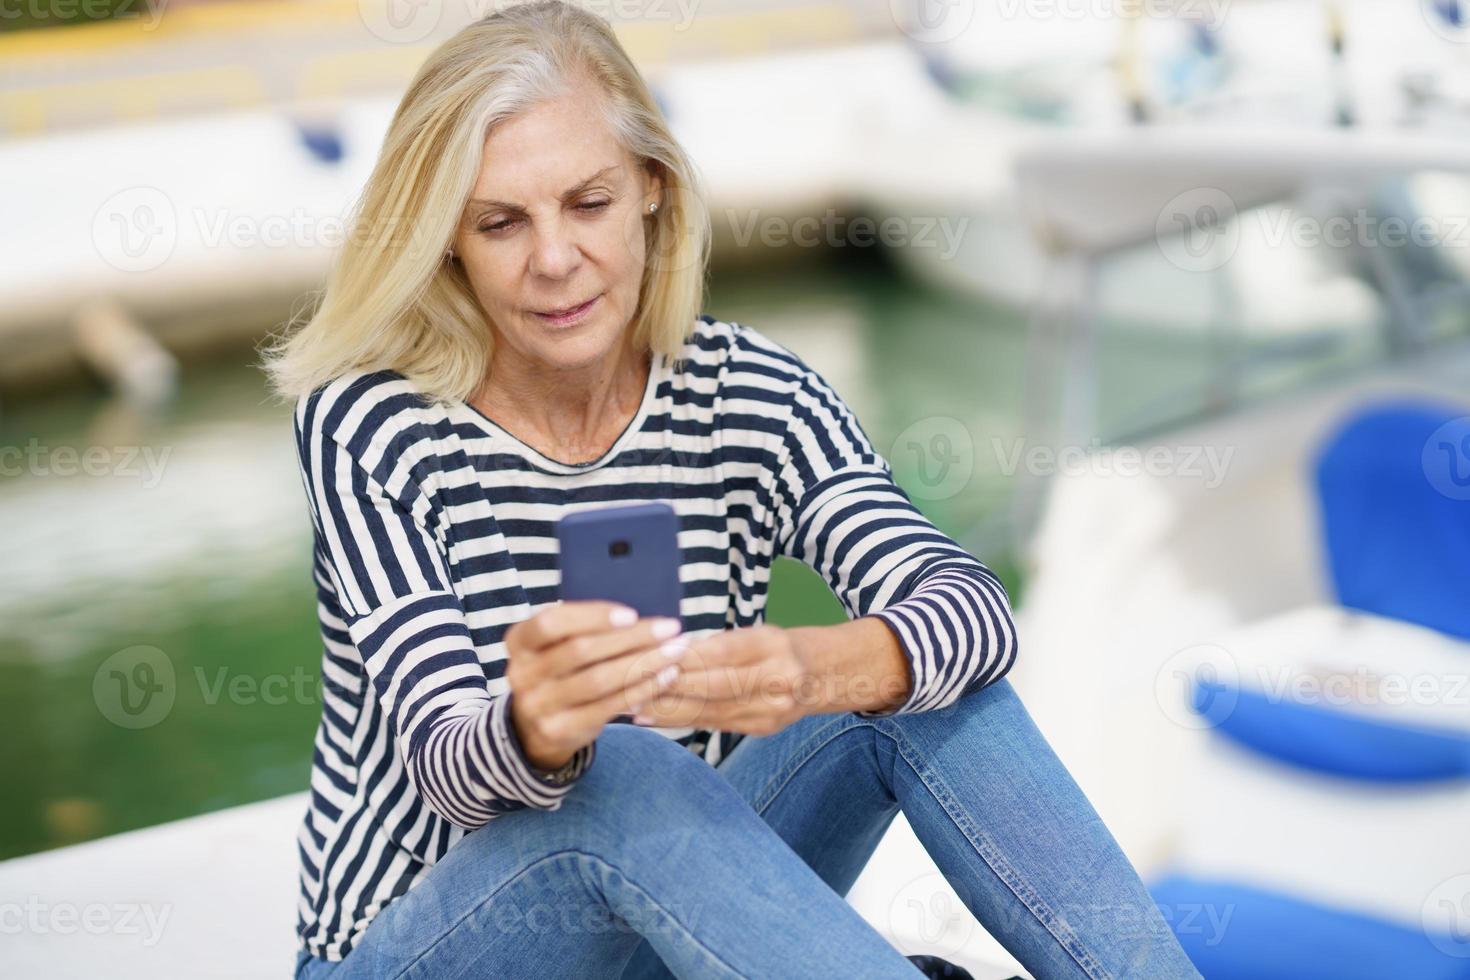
[[554, 250]]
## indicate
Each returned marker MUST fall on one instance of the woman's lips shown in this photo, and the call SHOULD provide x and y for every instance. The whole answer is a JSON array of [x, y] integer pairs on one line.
[[571, 316]]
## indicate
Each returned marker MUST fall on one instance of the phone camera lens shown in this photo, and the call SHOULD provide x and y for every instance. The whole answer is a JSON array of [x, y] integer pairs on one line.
[[618, 548]]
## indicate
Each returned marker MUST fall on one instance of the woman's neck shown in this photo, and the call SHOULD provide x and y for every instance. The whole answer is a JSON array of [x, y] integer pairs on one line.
[[568, 415]]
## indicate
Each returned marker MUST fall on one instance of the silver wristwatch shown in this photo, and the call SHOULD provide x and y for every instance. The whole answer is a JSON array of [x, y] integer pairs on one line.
[[562, 776]]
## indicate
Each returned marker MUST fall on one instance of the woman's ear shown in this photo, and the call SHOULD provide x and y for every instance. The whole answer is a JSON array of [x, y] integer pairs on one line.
[[653, 184], [454, 249]]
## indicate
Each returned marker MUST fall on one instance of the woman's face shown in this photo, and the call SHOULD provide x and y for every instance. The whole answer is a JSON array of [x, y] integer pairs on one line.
[[556, 220]]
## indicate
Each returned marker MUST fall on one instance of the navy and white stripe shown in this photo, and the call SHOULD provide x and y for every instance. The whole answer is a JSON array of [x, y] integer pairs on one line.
[[434, 534]]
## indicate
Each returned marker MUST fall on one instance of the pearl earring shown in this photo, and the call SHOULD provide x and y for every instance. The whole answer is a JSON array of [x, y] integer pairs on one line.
[[653, 207]]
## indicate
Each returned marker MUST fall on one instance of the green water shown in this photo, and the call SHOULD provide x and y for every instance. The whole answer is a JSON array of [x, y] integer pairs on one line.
[[205, 562]]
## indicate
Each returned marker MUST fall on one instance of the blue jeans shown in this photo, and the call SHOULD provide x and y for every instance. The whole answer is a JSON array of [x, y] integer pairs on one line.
[[658, 864]]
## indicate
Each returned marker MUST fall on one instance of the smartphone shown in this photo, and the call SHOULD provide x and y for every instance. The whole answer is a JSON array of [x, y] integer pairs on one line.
[[627, 553]]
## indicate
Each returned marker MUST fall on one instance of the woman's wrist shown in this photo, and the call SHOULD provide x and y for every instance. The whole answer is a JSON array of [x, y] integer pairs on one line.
[[856, 666], [540, 762], [546, 765]]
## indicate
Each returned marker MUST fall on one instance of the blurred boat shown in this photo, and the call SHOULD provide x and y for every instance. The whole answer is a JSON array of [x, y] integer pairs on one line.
[[1180, 586], [1152, 174], [1261, 734]]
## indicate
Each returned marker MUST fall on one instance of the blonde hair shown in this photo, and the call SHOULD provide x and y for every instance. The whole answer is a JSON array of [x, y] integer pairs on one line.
[[396, 303]]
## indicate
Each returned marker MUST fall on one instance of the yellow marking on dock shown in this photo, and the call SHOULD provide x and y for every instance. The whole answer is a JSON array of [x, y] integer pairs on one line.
[[376, 66]]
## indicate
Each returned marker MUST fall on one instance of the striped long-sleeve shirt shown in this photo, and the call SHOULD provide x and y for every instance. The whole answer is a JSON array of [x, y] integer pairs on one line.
[[434, 533]]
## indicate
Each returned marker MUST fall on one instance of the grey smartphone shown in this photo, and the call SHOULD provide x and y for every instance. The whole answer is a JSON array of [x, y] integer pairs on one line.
[[627, 553]]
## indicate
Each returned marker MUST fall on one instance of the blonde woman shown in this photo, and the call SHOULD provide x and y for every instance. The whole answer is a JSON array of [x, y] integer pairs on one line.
[[504, 785]]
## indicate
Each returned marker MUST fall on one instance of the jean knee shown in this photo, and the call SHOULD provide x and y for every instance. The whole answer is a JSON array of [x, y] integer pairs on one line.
[[997, 695], [630, 756], [635, 783], [635, 741], [651, 779]]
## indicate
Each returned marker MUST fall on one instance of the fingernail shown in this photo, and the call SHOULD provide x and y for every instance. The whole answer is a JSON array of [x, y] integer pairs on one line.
[[622, 616], [674, 648], [665, 628], [668, 674], [642, 720]]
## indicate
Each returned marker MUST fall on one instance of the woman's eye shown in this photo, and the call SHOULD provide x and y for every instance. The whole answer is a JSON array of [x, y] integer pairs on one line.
[[589, 206]]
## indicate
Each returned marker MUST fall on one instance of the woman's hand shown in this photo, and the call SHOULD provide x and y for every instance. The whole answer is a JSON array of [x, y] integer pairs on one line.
[[575, 666], [754, 680]]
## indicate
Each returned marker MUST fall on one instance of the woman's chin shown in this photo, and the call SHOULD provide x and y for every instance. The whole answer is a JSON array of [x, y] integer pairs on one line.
[[576, 347]]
